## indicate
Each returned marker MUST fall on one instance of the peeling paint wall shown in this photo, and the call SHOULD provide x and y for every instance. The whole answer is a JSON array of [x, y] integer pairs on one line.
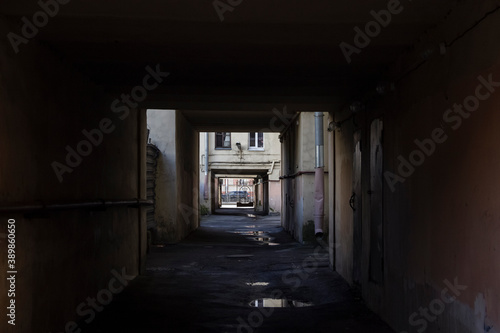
[[161, 124], [441, 220]]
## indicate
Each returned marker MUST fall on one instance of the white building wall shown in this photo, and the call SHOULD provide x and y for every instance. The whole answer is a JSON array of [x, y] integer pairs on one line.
[[247, 159]]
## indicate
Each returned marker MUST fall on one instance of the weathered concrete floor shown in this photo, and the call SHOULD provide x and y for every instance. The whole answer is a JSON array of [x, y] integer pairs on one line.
[[205, 284]]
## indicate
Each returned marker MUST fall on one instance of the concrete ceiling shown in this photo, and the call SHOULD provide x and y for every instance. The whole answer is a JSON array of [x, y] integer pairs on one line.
[[264, 54], [229, 121]]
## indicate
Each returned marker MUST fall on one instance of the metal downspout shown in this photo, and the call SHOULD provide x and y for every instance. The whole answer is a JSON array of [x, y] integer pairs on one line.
[[319, 179], [205, 188]]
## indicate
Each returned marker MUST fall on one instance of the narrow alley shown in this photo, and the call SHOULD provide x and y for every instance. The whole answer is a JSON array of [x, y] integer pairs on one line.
[[212, 281]]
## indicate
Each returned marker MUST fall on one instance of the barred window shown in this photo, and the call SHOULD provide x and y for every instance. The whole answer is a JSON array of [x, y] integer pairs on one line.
[[223, 140], [256, 140]]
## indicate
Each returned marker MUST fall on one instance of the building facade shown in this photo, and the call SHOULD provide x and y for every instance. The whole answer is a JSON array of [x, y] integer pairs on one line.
[[243, 169]]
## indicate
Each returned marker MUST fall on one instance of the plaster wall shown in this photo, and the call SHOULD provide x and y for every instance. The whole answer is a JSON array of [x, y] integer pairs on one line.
[[343, 190], [187, 157], [441, 219], [176, 211], [299, 178], [161, 124], [63, 257], [275, 196]]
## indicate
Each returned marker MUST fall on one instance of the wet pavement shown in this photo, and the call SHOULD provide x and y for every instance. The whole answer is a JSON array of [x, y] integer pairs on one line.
[[238, 273]]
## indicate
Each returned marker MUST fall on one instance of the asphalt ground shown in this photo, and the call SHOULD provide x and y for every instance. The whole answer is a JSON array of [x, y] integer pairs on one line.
[[237, 273]]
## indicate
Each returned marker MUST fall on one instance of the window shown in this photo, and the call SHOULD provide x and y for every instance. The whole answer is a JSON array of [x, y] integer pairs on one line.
[[222, 140], [256, 141]]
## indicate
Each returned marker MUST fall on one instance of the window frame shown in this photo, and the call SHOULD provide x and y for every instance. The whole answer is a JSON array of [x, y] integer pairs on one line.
[[223, 139], [256, 138]]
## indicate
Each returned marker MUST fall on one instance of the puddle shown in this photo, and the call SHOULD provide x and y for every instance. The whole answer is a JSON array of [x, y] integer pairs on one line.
[[251, 215], [248, 232], [261, 239], [266, 240], [278, 303], [253, 284]]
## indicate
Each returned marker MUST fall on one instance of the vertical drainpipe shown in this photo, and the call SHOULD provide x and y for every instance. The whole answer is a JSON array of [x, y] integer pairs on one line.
[[319, 190], [205, 188]]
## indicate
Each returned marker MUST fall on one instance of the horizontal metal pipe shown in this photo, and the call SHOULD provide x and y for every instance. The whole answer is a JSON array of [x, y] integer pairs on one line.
[[74, 205], [226, 162]]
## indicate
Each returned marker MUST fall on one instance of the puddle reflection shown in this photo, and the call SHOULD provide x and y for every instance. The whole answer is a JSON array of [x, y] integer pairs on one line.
[[253, 284], [248, 232], [278, 303], [262, 239]]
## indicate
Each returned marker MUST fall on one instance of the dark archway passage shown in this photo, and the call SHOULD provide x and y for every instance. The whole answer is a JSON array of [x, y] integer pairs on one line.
[[76, 80]]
